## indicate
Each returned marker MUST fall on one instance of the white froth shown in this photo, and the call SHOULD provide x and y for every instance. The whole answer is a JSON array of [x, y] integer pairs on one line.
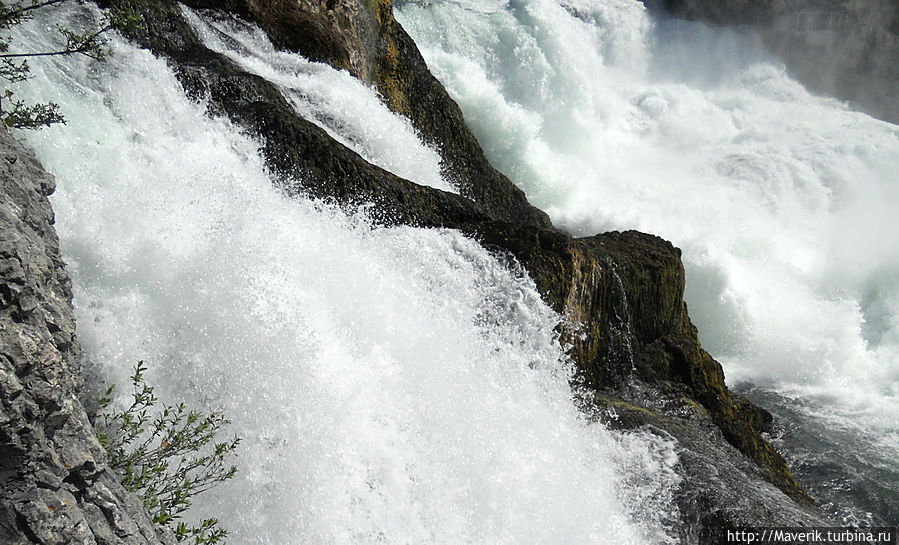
[[349, 111], [390, 385], [783, 202]]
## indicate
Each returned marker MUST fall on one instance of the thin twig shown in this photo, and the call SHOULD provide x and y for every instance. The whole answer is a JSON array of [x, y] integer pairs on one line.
[[20, 11]]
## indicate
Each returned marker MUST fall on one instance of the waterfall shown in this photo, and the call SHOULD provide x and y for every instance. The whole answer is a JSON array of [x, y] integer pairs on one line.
[[336, 101], [622, 332], [782, 201], [391, 385]]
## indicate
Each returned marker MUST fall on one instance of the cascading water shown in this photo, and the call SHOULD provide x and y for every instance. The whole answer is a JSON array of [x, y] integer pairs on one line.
[[390, 385], [622, 332], [334, 100], [783, 202]]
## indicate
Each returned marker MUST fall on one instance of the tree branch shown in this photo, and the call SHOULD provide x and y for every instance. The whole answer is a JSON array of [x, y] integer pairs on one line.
[[19, 12], [84, 48]]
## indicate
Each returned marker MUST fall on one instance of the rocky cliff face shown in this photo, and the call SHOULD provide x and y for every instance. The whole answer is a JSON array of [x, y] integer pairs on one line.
[[846, 48], [621, 294], [55, 486]]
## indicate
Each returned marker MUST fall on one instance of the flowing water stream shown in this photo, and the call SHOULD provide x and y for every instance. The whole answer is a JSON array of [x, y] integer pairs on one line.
[[391, 385], [783, 202]]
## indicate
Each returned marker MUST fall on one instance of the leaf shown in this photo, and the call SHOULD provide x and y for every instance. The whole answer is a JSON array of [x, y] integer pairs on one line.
[[176, 456]]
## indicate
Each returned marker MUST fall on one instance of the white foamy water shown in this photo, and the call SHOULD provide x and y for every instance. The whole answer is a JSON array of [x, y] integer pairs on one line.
[[783, 202], [350, 112], [390, 385]]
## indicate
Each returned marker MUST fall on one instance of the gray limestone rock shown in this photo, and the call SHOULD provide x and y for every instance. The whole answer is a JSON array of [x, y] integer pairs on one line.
[[55, 486]]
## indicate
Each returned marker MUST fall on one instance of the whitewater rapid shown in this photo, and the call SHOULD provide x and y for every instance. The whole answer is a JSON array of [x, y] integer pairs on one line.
[[333, 99], [783, 202], [391, 385]]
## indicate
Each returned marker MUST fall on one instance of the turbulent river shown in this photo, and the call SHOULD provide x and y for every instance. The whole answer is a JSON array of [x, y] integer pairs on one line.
[[391, 385], [783, 202], [400, 385]]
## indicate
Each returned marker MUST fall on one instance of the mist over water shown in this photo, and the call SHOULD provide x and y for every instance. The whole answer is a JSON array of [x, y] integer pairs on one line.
[[391, 385], [783, 202]]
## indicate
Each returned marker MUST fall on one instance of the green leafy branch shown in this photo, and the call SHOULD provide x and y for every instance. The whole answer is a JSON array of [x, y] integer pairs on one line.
[[14, 64], [167, 459]]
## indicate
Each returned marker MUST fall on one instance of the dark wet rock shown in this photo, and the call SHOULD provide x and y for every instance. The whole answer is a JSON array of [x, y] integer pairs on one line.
[[621, 295], [309, 160], [846, 49], [720, 488], [363, 37], [55, 486]]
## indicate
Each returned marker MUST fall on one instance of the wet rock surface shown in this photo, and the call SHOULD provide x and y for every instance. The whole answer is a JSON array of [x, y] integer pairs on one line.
[[55, 486], [721, 488], [363, 37]]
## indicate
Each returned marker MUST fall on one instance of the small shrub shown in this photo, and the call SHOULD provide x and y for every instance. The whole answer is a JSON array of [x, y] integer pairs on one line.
[[166, 459]]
